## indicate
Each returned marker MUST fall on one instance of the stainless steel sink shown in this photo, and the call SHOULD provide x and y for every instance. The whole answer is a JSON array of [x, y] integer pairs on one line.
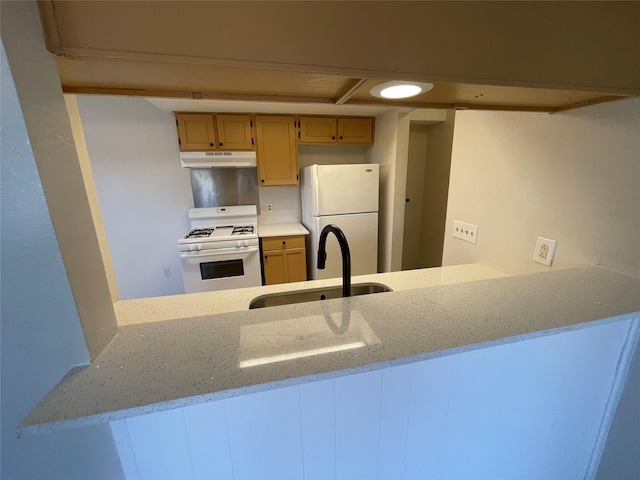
[[315, 294]]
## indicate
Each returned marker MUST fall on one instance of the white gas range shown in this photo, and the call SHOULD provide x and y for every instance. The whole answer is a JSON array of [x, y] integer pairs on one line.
[[221, 251]]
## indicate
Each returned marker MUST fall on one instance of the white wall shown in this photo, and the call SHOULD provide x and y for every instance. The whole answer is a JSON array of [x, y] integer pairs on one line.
[[384, 153], [436, 190], [621, 458], [530, 409], [391, 151], [141, 187], [143, 191], [572, 177], [41, 333], [286, 200]]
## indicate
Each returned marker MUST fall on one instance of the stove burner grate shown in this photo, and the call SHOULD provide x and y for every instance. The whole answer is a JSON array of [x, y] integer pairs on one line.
[[199, 233], [242, 230]]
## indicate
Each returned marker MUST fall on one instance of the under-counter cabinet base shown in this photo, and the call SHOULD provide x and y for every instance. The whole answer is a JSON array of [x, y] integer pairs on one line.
[[284, 260]]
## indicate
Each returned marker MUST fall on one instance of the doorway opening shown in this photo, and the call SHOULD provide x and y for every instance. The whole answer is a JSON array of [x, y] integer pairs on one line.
[[427, 190]]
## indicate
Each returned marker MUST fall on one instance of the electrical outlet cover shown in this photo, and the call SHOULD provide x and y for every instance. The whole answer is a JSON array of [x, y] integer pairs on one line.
[[544, 251]]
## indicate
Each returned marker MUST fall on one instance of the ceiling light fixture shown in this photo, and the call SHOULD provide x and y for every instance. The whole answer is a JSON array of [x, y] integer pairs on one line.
[[397, 89]]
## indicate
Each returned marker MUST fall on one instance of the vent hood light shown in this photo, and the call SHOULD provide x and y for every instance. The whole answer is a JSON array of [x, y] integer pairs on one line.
[[398, 89]]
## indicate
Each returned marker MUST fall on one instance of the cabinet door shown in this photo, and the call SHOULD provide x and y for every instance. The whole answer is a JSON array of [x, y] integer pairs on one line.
[[234, 132], [317, 130], [296, 263], [196, 131], [355, 130], [274, 267], [277, 150]]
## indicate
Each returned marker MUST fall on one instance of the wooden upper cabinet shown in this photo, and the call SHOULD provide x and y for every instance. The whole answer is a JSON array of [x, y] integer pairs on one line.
[[352, 130], [355, 130], [317, 130], [277, 150], [208, 131], [234, 132], [196, 131]]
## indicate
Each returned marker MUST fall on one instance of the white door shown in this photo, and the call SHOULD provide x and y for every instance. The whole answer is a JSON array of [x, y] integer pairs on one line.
[[361, 231], [344, 189]]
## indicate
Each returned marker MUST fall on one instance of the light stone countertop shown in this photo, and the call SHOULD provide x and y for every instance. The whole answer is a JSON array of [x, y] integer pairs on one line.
[[169, 364], [281, 229], [143, 310]]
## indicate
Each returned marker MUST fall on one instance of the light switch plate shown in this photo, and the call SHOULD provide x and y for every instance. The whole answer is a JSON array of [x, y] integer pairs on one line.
[[465, 231]]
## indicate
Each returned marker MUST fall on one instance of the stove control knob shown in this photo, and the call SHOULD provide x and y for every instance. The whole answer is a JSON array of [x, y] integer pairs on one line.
[[196, 247], [242, 243]]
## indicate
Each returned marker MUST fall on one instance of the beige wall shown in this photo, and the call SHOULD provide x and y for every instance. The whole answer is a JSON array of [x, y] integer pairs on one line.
[[436, 190], [92, 195], [391, 151], [416, 166], [47, 122], [571, 177], [397, 192], [383, 152], [42, 338]]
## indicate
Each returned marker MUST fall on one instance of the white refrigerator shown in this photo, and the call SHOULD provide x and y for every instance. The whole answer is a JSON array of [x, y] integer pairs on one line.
[[346, 196]]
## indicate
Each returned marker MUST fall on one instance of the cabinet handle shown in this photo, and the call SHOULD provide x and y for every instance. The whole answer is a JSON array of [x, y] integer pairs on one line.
[[284, 243], [262, 180], [266, 256], [340, 137], [220, 143], [334, 137], [211, 144]]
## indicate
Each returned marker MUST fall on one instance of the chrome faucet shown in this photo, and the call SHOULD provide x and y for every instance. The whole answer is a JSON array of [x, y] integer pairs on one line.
[[346, 256]]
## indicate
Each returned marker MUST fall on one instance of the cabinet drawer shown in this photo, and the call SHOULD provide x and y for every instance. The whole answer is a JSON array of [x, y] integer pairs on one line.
[[282, 243]]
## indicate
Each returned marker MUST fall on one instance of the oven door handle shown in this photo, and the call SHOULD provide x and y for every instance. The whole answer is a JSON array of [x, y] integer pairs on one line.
[[220, 251]]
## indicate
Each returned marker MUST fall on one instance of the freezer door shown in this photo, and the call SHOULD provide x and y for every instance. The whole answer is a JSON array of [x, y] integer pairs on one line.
[[344, 189], [361, 231]]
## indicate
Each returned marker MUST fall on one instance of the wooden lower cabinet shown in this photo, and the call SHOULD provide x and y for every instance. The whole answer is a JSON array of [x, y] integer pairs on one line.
[[284, 259]]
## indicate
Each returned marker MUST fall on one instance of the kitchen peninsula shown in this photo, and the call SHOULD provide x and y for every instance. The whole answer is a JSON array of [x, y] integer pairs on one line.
[[162, 365]]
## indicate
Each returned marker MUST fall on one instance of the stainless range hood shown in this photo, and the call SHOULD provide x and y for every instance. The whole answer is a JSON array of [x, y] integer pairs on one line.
[[217, 159], [222, 178]]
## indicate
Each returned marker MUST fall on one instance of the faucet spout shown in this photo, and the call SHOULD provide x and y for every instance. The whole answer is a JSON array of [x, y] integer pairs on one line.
[[346, 256]]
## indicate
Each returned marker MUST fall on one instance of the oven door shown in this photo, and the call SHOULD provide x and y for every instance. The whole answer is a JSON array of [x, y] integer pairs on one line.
[[221, 269]]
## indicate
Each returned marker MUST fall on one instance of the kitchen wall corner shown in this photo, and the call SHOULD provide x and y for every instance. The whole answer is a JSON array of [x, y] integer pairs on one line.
[[572, 177]]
